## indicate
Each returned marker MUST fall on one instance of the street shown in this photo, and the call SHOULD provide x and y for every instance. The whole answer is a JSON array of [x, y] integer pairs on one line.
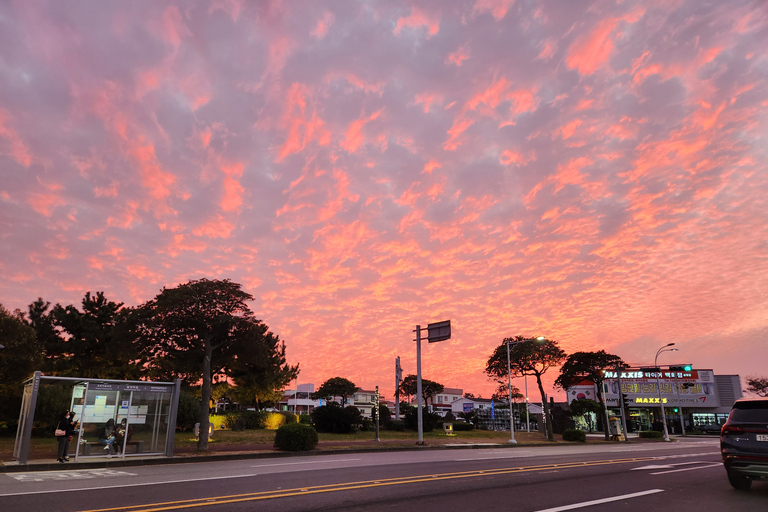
[[685, 475]]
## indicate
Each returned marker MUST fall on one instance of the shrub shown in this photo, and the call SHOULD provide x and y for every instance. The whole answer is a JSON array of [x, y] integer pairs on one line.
[[295, 437], [429, 419], [188, 412], [396, 425], [336, 419], [650, 434], [305, 419], [574, 434], [290, 417], [449, 416], [254, 420], [385, 415], [274, 420], [367, 425], [219, 421], [463, 427]]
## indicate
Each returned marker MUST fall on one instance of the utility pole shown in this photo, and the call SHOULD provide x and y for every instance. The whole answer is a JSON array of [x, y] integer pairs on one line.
[[621, 404], [398, 380], [439, 331], [377, 397]]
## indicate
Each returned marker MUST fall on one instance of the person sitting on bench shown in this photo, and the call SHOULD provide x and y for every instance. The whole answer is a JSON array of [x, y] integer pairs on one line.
[[107, 437], [122, 434]]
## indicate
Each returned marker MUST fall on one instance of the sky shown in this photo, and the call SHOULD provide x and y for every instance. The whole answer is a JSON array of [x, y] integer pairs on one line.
[[592, 172]]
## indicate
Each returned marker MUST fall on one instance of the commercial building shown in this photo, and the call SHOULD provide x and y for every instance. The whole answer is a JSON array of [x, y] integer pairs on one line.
[[698, 397]]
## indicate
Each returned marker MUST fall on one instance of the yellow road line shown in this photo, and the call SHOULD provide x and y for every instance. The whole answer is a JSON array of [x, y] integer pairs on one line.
[[265, 495]]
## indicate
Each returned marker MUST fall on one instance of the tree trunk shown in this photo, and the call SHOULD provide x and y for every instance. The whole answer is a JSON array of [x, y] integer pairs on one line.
[[205, 406], [545, 410], [602, 414]]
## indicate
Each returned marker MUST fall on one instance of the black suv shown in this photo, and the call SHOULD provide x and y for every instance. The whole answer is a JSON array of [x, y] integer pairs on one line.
[[744, 442]]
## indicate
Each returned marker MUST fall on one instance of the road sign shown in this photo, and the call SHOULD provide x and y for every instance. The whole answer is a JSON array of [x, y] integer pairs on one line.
[[439, 331]]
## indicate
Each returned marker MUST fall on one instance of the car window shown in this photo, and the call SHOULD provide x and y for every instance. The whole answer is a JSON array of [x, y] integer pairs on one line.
[[750, 412]]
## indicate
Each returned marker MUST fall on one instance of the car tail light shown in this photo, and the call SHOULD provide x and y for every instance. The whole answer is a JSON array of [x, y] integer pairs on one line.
[[731, 429]]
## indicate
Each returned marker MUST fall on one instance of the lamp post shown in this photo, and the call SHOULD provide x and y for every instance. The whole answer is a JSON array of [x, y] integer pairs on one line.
[[658, 386], [509, 384]]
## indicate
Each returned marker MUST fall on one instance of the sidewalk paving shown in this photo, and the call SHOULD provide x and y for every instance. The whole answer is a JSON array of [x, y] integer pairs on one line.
[[240, 452]]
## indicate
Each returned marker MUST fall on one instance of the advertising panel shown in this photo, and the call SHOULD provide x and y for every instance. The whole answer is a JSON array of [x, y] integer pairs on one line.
[[694, 388]]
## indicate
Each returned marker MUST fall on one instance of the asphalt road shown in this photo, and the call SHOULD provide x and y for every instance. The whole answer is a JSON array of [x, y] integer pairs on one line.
[[680, 476]]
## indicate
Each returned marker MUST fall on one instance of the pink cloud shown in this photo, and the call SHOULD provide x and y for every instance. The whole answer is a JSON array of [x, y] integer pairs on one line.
[[217, 227], [497, 8], [569, 129], [303, 127], [354, 136], [590, 51], [418, 19], [321, 29], [15, 146], [457, 57]]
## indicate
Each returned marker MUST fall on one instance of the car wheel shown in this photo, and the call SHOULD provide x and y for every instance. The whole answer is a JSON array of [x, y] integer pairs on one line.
[[739, 482]]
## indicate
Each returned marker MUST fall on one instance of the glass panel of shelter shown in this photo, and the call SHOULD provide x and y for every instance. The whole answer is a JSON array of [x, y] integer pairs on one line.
[[142, 415], [148, 421]]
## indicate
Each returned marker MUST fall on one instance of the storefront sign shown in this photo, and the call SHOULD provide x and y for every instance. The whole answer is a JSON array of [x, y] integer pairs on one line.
[[642, 388]]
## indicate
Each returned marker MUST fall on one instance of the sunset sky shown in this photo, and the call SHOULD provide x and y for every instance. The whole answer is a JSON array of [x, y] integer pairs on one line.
[[593, 172]]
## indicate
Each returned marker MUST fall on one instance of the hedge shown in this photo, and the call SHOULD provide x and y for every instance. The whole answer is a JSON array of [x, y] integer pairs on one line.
[[296, 437], [650, 434], [574, 434]]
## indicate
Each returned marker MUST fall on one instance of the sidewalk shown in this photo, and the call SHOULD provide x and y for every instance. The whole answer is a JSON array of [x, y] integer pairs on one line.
[[234, 452]]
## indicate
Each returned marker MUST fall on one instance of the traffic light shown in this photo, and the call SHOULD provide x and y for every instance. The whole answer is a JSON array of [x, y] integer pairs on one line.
[[625, 399], [681, 368], [675, 409]]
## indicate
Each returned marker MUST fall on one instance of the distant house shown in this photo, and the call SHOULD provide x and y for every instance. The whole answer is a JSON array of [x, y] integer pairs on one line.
[[441, 403], [299, 400], [469, 404], [365, 400]]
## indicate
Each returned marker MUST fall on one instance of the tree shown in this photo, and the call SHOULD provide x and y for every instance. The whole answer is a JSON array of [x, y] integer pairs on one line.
[[335, 387], [583, 407], [502, 393], [336, 418], [18, 361], [90, 348], [429, 388], [757, 385], [527, 358], [260, 371], [195, 331], [589, 366], [40, 318]]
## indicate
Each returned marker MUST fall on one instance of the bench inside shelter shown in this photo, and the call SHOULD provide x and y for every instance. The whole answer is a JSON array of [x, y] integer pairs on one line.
[[100, 447]]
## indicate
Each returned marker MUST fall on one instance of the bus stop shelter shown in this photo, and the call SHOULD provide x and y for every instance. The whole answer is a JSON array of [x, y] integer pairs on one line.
[[148, 408]]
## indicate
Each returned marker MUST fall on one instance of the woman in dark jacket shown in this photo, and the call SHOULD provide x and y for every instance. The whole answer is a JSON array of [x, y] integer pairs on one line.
[[66, 426]]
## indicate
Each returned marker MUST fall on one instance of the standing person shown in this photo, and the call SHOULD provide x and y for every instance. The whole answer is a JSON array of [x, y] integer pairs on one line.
[[64, 427]]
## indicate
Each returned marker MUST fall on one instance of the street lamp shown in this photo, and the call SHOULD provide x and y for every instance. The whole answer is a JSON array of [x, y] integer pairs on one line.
[[658, 386], [509, 384]]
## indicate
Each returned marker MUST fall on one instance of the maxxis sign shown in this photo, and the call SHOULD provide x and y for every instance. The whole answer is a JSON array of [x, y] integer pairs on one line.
[[685, 389]]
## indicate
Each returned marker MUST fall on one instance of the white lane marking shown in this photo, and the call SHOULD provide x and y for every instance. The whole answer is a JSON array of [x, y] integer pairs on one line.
[[604, 500], [687, 469], [306, 462], [668, 466], [82, 474], [53, 491]]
